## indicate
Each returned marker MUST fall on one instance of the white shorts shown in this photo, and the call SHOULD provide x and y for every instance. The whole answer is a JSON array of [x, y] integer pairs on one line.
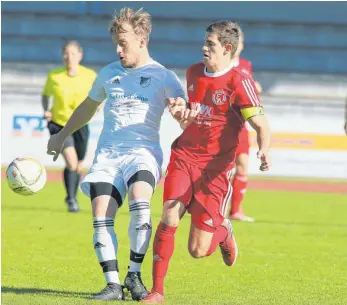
[[117, 169]]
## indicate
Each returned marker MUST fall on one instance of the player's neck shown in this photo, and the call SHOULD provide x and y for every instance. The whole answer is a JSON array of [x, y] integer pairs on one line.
[[143, 60], [218, 67], [235, 61], [72, 71]]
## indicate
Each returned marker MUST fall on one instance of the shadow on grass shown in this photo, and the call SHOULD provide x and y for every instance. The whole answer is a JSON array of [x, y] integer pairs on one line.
[[58, 293], [5, 289]]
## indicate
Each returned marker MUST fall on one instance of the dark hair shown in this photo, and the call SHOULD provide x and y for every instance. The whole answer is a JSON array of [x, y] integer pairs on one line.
[[227, 32], [72, 43]]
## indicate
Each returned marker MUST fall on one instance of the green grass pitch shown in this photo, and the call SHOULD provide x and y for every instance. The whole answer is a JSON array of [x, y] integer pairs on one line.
[[296, 253]]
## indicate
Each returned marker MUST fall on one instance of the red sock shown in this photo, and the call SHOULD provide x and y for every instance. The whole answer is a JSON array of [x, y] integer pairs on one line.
[[219, 236], [163, 247], [239, 189]]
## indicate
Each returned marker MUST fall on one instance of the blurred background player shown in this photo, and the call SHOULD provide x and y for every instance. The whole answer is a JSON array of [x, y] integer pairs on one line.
[[240, 179], [128, 157], [346, 116], [199, 170], [69, 85]]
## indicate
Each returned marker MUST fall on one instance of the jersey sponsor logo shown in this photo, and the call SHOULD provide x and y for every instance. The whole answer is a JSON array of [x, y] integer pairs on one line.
[[124, 98], [145, 81], [219, 97], [203, 110], [191, 88], [32, 124]]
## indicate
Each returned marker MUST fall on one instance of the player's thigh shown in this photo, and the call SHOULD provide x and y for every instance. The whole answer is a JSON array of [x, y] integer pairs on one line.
[[141, 185], [141, 173], [242, 163], [209, 205], [81, 137], [106, 173], [178, 191], [105, 198], [70, 157]]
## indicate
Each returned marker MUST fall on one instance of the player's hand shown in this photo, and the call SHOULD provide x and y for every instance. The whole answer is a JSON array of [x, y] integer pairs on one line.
[[175, 101], [264, 159], [47, 115], [55, 145], [188, 116], [177, 106]]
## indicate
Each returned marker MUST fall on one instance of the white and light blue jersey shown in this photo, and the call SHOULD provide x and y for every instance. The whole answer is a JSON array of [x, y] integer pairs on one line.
[[135, 102]]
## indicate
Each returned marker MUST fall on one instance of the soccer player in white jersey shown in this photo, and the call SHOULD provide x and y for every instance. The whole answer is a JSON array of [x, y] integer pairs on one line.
[[128, 157]]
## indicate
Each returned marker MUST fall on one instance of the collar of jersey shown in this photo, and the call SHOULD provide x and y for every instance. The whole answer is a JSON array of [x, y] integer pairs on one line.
[[77, 72], [151, 61], [220, 73]]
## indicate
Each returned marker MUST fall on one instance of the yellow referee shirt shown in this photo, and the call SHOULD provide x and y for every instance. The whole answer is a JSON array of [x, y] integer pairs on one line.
[[68, 92]]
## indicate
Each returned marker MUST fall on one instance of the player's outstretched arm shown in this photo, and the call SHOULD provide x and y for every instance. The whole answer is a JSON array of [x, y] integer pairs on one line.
[[81, 116], [261, 126]]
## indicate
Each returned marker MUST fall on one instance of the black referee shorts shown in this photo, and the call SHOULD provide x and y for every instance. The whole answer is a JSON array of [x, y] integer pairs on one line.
[[79, 139]]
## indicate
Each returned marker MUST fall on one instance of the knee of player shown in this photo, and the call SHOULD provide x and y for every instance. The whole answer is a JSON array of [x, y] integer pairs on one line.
[[79, 167], [242, 169], [72, 166], [196, 252]]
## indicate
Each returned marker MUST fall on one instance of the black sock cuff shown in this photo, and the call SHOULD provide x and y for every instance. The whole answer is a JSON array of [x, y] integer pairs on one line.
[[136, 257]]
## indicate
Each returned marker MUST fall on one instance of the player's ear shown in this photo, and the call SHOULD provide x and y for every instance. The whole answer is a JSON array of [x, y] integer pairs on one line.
[[227, 48], [143, 42]]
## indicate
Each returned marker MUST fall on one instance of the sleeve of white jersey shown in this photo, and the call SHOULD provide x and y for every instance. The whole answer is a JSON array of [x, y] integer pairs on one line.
[[97, 93], [173, 87]]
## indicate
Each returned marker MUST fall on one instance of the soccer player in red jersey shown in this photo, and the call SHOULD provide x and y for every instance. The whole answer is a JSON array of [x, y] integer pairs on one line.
[[240, 179], [198, 175]]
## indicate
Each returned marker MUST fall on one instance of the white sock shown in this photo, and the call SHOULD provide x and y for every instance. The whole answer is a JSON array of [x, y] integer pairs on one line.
[[106, 246], [140, 231]]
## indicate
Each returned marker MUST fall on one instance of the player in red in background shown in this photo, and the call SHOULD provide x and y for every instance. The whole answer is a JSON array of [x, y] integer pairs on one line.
[[240, 179], [198, 176]]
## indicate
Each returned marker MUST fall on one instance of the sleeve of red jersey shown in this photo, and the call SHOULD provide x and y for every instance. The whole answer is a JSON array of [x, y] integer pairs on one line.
[[188, 81], [247, 97]]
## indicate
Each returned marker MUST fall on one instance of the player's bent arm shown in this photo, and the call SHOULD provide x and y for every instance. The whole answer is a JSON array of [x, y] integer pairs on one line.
[[258, 87], [260, 124], [80, 117]]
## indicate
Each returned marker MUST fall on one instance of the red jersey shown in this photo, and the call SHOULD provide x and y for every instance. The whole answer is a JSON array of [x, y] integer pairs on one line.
[[211, 140], [245, 66]]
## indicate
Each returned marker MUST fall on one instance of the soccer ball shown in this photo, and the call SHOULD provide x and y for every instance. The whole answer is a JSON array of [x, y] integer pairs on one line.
[[26, 176]]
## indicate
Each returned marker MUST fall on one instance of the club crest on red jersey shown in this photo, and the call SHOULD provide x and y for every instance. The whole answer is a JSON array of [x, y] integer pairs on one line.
[[219, 97]]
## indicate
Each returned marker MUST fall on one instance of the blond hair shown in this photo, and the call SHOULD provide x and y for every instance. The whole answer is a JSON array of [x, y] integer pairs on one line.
[[139, 20]]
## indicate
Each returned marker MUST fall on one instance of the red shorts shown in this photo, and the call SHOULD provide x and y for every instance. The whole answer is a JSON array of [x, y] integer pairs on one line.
[[243, 147], [205, 193]]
